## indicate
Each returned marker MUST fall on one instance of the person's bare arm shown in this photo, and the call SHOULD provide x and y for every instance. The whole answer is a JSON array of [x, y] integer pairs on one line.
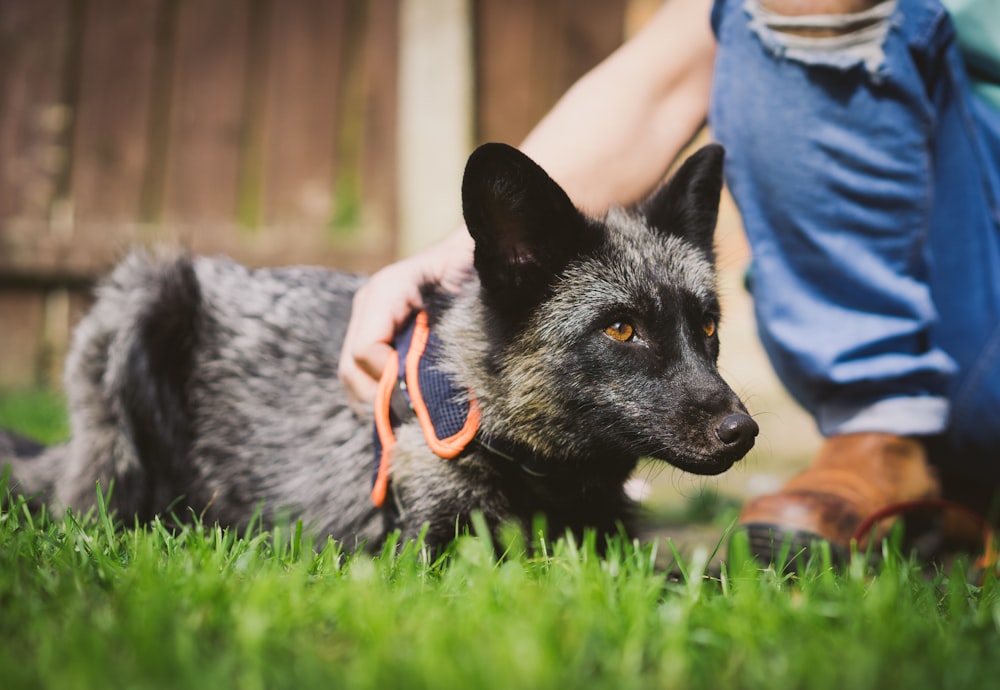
[[611, 137], [609, 140]]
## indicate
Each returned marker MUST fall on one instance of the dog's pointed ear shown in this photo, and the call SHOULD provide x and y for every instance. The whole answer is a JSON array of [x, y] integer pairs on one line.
[[524, 225], [687, 205]]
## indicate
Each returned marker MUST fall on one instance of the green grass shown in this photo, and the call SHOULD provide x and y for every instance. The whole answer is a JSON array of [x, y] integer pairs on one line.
[[86, 602], [40, 414]]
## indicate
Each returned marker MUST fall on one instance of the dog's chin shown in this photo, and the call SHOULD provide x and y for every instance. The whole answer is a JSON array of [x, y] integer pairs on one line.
[[706, 468], [708, 465]]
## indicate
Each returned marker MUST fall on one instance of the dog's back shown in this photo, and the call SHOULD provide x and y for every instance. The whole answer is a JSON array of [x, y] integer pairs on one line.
[[198, 384]]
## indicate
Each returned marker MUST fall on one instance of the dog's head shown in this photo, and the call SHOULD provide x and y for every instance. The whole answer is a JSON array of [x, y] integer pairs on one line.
[[604, 330]]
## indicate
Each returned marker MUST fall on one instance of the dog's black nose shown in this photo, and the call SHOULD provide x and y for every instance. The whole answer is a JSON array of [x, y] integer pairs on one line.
[[737, 429]]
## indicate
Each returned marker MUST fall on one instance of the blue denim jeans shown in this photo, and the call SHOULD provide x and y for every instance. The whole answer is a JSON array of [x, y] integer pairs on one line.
[[868, 178]]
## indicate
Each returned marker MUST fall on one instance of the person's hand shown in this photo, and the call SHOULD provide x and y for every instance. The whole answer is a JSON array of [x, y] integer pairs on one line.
[[384, 304]]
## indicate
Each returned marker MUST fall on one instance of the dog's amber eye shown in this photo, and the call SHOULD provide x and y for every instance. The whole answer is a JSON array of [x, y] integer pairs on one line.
[[708, 325], [620, 331]]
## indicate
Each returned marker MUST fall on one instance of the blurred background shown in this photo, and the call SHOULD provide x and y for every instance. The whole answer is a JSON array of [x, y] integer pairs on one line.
[[294, 131]]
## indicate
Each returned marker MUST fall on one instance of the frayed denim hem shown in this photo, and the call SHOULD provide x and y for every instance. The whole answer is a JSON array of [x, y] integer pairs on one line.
[[859, 40], [905, 416]]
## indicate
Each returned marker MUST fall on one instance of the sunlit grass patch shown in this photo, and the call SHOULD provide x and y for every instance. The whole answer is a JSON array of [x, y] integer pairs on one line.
[[86, 602]]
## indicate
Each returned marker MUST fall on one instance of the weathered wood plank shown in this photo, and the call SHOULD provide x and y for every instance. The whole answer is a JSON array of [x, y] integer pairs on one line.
[[161, 97], [34, 40], [349, 122], [250, 181], [380, 159], [435, 118], [22, 314], [529, 53], [110, 138], [587, 31], [505, 102], [305, 71], [207, 112], [31, 255]]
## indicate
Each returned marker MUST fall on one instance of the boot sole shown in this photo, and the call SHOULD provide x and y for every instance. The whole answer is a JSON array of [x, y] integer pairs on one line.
[[776, 545]]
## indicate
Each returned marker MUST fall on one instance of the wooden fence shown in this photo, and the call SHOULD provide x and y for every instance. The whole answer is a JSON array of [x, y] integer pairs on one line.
[[262, 129]]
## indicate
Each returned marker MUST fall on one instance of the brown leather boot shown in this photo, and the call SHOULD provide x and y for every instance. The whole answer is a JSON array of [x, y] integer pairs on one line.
[[854, 476]]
